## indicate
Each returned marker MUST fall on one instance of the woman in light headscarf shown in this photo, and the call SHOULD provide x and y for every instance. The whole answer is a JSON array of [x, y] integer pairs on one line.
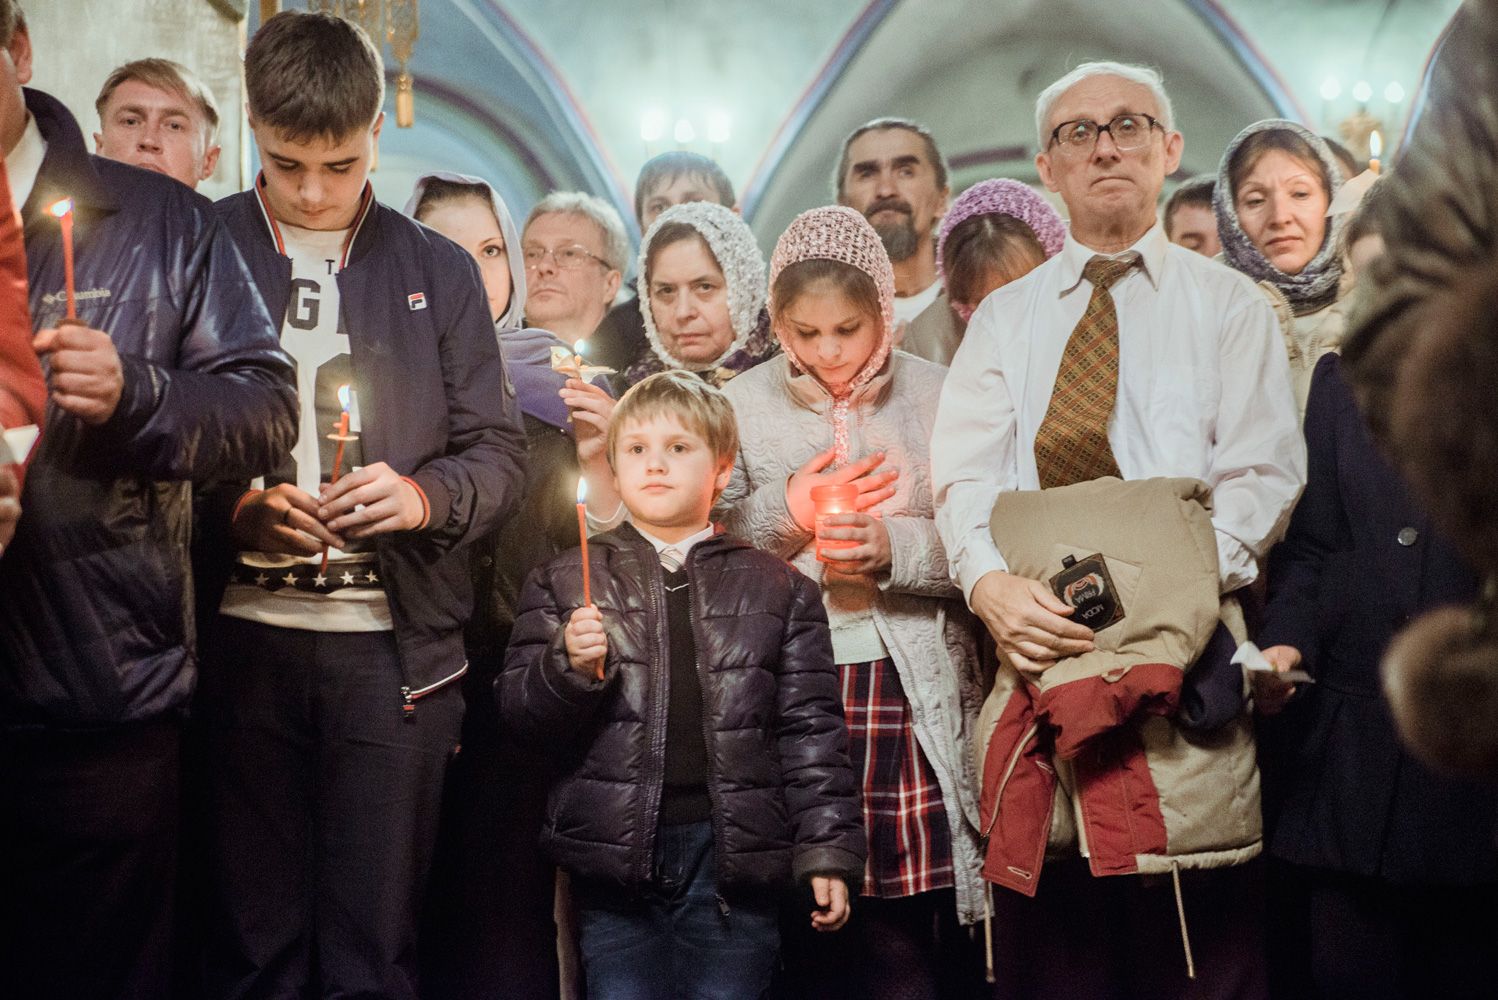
[[839, 406], [490, 882], [702, 295], [1274, 187]]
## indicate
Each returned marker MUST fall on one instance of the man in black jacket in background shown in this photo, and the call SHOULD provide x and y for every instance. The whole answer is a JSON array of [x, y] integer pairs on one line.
[[170, 375]]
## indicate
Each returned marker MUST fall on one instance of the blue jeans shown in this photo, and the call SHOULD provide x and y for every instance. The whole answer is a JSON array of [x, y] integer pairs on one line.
[[675, 938]]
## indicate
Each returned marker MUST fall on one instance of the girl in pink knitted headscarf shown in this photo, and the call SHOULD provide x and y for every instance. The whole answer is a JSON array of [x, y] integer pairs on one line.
[[841, 406]]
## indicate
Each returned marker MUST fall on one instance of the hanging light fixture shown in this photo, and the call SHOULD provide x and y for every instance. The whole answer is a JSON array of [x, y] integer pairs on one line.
[[393, 22]]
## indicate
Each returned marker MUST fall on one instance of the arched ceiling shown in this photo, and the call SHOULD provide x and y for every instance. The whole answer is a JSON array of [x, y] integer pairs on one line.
[[543, 94]]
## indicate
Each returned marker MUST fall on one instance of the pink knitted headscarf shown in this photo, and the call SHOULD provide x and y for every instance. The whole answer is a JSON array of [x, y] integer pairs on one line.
[[1001, 197], [842, 234]]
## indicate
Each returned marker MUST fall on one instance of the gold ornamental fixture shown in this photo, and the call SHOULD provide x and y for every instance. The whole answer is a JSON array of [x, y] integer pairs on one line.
[[396, 23]]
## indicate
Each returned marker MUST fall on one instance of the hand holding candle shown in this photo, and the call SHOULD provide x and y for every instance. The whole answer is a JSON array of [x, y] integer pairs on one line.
[[64, 211], [873, 487], [582, 534]]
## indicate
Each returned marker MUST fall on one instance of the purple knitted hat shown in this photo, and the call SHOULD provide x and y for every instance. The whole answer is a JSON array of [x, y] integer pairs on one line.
[[1003, 197]]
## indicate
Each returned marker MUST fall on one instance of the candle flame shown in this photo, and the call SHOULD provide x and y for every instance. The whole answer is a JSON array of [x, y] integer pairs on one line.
[[61, 208], [581, 347], [343, 396], [582, 489], [1375, 144]]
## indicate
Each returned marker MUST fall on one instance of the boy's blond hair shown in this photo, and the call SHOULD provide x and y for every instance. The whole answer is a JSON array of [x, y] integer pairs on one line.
[[696, 405]]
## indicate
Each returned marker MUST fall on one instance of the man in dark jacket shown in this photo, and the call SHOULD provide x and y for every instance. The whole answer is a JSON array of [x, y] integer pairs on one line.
[[171, 374], [693, 709], [329, 695]]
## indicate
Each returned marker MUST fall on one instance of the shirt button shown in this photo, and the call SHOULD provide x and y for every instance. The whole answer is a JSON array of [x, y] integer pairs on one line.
[[1408, 537]]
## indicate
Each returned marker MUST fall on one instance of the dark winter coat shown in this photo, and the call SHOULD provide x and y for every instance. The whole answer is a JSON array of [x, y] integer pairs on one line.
[[785, 800], [1360, 560], [96, 618]]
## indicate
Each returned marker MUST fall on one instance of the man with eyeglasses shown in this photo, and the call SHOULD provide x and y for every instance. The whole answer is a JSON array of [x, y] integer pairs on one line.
[[574, 246], [1124, 356]]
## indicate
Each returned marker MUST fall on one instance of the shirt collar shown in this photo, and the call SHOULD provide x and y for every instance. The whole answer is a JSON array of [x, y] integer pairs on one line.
[[1150, 247], [25, 162], [683, 547]]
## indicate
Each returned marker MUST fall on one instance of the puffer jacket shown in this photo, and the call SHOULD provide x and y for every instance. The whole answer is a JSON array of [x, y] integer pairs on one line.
[[784, 800], [96, 617], [919, 614]]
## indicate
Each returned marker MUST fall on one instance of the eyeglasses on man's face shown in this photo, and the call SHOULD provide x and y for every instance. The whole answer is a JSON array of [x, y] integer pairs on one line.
[[568, 258], [1129, 131]]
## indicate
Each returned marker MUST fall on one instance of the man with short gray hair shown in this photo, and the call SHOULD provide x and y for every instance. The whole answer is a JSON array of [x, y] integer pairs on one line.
[[1122, 356], [575, 251]]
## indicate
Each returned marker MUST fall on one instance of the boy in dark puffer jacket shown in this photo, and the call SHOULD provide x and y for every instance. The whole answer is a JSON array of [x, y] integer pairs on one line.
[[695, 708]]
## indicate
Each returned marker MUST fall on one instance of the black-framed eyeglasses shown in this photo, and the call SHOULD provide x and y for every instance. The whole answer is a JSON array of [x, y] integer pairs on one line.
[[1130, 131], [568, 258]]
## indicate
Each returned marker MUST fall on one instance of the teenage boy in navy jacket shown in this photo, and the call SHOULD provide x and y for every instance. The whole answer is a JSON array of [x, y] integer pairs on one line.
[[329, 697]]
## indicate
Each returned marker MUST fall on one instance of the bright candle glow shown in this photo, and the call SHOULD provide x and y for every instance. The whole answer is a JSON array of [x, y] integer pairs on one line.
[[718, 127], [581, 347], [1394, 93], [343, 396], [1375, 145], [1331, 89], [1362, 91], [61, 208], [582, 490], [684, 131], [653, 125]]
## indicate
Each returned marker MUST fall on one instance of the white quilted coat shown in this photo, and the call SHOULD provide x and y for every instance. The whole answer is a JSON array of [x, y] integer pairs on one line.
[[919, 614]]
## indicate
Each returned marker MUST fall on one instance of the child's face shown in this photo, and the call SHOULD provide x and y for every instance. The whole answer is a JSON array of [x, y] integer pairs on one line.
[[832, 337], [316, 183], [667, 475]]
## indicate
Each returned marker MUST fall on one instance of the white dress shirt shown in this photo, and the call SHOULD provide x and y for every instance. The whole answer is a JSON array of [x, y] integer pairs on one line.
[[679, 549], [908, 307], [1203, 391], [25, 162]]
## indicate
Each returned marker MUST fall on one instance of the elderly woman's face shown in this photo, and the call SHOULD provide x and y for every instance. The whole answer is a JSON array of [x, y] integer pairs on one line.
[[1282, 208], [689, 301]]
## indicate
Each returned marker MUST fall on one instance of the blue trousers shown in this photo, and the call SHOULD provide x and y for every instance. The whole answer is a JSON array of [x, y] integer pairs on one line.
[[676, 937]]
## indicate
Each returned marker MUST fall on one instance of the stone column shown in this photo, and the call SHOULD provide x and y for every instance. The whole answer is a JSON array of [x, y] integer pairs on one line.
[[78, 42]]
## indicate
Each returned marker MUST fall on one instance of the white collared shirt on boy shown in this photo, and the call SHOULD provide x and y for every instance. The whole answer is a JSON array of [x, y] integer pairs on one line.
[[1203, 391], [676, 551]]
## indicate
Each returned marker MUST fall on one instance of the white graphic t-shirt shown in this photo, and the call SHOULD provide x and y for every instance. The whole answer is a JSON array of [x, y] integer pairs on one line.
[[293, 591]]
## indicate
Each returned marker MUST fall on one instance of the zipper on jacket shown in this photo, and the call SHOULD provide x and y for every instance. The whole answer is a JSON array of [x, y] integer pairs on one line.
[[715, 817], [656, 708]]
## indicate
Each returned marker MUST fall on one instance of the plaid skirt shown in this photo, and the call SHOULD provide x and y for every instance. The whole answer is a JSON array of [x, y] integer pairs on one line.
[[910, 843]]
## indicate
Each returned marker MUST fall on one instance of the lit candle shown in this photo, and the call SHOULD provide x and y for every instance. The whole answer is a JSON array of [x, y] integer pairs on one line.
[[1375, 149], [841, 498], [582, 534], [578, 350], [342, 436], [64, 212]]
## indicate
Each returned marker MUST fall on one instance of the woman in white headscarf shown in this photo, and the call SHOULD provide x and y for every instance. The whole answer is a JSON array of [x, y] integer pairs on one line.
[[702, 295]]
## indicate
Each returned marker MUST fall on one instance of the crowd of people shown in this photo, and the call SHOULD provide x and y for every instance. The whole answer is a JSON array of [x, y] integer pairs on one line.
[[902, 654]]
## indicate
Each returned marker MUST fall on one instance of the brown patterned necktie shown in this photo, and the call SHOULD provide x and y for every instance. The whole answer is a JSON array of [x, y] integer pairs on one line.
[[1072, 443]]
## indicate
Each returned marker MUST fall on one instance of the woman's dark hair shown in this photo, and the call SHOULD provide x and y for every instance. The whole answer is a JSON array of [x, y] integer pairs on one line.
[[804, 275], [988, 244], [674, 232], [440, 192], [1246, 156]]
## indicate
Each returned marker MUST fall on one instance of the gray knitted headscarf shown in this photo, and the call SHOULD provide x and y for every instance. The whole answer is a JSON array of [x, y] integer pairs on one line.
[[734, 248], [1315, 287]]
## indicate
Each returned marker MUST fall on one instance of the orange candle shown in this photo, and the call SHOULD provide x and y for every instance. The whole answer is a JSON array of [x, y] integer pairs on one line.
[[582, 535], [64, 212], [1375, 150], [841, 498], [342, 436]]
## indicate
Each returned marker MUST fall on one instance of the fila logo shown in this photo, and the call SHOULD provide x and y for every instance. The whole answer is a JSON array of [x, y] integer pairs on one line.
[[417, 301]]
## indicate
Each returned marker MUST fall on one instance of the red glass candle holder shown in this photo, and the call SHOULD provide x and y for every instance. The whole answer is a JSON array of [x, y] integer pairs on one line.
[[826, 500]]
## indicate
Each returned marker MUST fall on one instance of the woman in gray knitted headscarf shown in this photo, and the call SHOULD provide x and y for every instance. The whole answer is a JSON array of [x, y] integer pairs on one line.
[[1274, 186], [702, 295]]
